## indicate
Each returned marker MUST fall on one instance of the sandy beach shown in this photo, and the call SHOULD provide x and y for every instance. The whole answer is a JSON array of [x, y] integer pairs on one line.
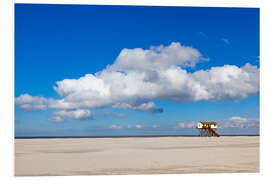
[[158, 155]]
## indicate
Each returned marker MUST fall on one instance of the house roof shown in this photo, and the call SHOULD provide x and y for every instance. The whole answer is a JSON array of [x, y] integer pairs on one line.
[[208, 123]]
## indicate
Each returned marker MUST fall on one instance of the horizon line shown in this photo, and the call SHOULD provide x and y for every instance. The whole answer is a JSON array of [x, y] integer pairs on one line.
[[121, 136]]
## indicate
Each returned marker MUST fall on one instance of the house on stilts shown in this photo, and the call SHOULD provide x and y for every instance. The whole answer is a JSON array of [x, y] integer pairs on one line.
[[207, 129]]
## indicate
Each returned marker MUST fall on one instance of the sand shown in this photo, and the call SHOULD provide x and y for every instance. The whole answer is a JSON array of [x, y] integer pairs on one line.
[[159, 155]]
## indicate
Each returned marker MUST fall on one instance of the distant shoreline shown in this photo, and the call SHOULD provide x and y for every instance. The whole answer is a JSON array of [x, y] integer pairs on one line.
[[150, 136]]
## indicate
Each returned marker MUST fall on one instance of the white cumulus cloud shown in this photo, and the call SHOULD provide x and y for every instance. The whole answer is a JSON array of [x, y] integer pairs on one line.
[[240, 122], [138, 77], [28, 102], [157, 57], [74, 114]]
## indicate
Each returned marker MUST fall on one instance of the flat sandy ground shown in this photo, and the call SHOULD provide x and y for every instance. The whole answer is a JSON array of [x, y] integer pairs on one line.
[[159, 155]]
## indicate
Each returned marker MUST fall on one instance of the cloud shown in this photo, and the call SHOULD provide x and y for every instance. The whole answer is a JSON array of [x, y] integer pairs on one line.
[[225, 40], [182, 125], [77, 114], [115, 114], [138, 77], [115, 127], [238, 118], [56, 119], [28, 102], [240, 122], [157, 57], [138, 126], [139, 106]]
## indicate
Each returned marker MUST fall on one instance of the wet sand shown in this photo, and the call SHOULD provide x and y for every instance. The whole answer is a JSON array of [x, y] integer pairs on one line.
[[157, 155]]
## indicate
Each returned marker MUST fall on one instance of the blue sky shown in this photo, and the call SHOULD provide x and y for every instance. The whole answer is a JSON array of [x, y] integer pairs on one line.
[[57, 42]]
